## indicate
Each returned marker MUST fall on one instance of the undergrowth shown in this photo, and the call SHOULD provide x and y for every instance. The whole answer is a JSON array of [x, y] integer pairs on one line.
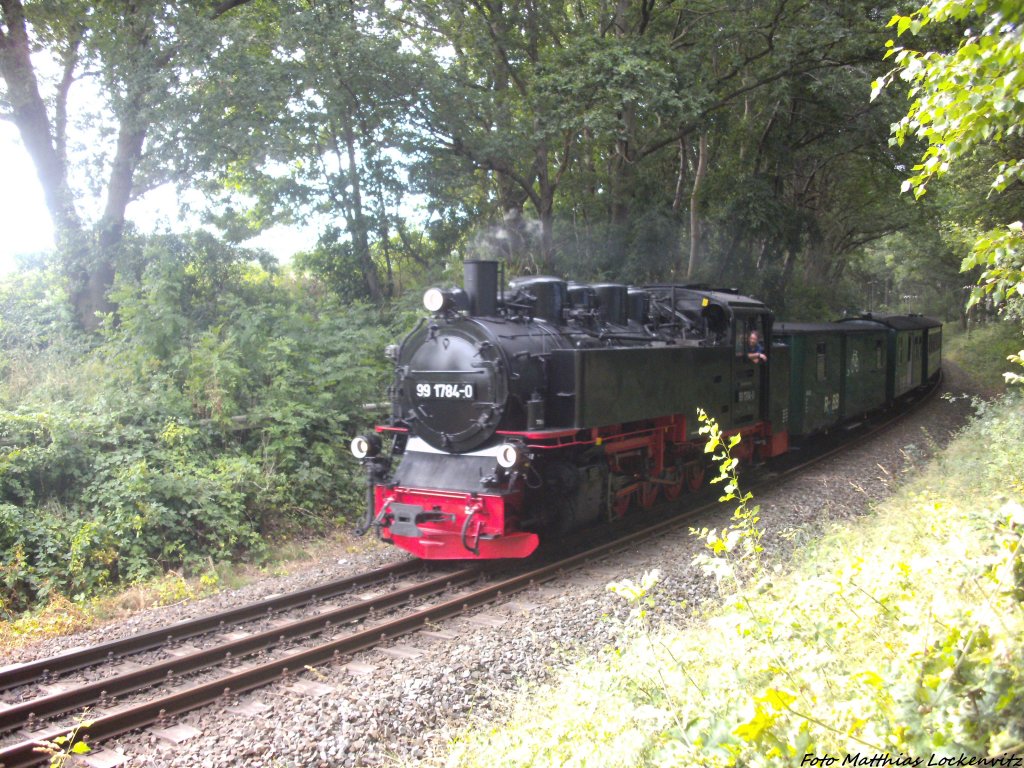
[[61, 616], [989, 352], [212, 415], [894, 639]]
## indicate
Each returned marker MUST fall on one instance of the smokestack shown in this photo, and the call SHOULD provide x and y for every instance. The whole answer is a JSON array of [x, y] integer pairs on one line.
[[480, 281]]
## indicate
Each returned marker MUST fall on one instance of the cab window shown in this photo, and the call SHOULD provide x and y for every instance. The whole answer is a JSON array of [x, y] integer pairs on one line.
[[742, 328]]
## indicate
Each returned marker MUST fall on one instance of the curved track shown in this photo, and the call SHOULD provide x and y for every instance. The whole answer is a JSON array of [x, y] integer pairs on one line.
[[242, 661]]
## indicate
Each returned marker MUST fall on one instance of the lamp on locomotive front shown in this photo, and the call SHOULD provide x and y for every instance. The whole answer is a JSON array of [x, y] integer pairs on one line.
[[365, 446], [434, 299], [509, 455], [437, 300]]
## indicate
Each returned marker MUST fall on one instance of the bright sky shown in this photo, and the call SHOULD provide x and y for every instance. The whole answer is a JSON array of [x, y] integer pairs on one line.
[[25, 226], [24, 222]]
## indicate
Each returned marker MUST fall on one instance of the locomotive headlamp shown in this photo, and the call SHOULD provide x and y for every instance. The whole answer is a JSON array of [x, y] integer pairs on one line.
[[509, 455], [434, 299], [364, 446], [443, 299]]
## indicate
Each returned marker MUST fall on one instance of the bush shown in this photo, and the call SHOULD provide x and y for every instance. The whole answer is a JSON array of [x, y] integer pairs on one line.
[[215, 412]]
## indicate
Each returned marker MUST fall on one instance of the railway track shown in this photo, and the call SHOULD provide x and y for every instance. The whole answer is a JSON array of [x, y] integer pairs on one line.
[[335, 623]]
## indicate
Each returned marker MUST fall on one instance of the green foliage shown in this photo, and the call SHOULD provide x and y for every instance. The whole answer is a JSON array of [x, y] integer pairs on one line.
[[639, 596], [62, 748], [38, 340], [215, 413], [743, 537], [963, 102], [898, 638]]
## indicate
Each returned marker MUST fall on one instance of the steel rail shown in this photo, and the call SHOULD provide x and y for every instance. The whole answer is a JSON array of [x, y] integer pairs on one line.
[[135, 680], [28, 672]]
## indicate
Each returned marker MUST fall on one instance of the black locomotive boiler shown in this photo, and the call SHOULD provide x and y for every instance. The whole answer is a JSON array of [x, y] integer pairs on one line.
[[545, 406]]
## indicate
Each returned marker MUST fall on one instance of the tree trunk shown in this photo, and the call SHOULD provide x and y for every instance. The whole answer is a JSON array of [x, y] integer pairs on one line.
[[89, 266], [357, 226], [547, 218], [698, 178], [28, 112], [89, 290], [623, 169]]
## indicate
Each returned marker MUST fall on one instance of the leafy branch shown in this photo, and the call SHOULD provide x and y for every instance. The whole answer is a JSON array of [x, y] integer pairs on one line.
[[64, 747], [744, 535]]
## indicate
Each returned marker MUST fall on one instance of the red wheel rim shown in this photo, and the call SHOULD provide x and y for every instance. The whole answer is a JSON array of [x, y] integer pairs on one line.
[[675, 488]]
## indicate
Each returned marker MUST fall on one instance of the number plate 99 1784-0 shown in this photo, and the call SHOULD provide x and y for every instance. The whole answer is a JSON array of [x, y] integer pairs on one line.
[[428, 391]]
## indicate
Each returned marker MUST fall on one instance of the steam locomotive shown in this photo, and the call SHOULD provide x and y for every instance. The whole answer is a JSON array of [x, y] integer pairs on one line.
[[543, 406]]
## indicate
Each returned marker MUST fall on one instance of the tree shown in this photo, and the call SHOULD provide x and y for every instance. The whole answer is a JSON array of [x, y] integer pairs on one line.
[[139, 53], [302, 118], [627, 131], [965, 103]]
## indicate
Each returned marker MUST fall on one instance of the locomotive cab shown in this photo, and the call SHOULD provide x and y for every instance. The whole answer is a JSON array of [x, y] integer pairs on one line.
[[724, 320]]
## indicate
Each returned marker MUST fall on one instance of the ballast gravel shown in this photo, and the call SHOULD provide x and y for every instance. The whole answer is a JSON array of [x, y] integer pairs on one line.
[[400, 708]]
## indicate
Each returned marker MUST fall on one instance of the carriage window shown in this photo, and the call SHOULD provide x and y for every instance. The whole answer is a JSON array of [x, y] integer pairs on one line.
[[821, 361], [879, 360]]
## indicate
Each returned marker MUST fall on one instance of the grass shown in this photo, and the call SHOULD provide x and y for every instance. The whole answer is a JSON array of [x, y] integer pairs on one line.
[[897, 635], [983, 352]]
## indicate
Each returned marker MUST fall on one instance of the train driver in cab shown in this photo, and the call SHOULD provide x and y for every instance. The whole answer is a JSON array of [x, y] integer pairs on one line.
[[755, 349]]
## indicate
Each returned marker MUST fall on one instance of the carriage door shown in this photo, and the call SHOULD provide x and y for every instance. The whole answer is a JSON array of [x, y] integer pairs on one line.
[[749, 371]]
